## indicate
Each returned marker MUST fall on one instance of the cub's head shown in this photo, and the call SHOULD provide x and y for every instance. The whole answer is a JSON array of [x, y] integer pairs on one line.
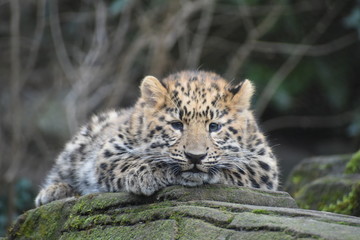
[[200, 121]]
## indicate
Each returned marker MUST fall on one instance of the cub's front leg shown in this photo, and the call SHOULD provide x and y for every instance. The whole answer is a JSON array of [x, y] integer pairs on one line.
[[135, 175], [54, 192]]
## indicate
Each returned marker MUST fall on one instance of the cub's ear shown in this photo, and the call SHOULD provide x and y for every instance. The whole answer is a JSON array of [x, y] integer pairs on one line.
[[152, 91], [242, 94]]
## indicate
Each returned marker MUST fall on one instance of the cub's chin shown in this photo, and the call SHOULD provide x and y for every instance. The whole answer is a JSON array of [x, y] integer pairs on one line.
[[192, 178]]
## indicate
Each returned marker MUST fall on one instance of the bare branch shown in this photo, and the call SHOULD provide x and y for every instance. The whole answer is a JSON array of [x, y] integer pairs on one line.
[[3, 2], [15, 88], [100, 39], [35, 46], [309, 121], [201, 34], [121, 30], [297, 55], [174, 27], [59, 44], [246, 17], [90, 75], [256, 33], [314, 50], [16, 82], [123, 76], [264, 9]]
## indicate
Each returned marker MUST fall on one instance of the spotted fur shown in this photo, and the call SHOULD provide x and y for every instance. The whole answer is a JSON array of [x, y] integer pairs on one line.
[[191, 128]]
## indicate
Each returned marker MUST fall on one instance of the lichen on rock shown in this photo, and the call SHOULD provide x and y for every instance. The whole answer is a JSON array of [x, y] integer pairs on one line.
[[311, 169], [183, 213], [353, 166], [329, 183], [349, 204]]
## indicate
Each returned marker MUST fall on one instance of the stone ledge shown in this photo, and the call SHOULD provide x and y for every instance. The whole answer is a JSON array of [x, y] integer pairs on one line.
[[207, 212]]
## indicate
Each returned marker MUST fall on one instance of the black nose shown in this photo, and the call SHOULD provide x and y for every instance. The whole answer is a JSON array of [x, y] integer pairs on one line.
[[195, 158]]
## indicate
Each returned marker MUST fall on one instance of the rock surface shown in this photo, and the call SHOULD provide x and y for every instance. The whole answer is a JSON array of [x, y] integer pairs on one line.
[[207, 212], [330, 183], [311, 169]]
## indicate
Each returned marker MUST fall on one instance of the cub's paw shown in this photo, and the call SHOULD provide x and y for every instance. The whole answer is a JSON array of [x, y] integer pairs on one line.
[[146, 181], [54, 192], [144, 185]]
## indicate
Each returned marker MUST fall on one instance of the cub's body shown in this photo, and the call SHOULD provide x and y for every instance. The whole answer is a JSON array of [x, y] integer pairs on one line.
[[191, 128]]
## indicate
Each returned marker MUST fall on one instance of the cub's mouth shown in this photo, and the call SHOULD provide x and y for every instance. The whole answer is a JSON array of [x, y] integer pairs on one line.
[[194, 170]]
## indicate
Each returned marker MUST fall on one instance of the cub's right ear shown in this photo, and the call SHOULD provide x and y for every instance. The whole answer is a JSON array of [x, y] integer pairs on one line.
[[242, 94], [152, 91]]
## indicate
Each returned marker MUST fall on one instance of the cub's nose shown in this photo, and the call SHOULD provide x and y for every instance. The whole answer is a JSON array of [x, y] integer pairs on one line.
[[195, 158]]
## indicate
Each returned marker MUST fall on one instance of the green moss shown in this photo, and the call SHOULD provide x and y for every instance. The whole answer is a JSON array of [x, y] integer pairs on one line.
[[136, 217], [85, 222], [162, 229], [122, 216], [224, 193], [174, 213], [325, 166], [261, 211], [315, 200], [314, 168], [324, 191], [221, 208], [39, 224], [349, 205], [320, 183], [343, 223], [177, 216], [296, 179], [116, 219], [165, 204], [304, 206], [198, 229], [91, 202], [353, 166]]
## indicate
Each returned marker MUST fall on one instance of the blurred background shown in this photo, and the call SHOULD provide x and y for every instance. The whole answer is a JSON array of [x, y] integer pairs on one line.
[[62, 61]]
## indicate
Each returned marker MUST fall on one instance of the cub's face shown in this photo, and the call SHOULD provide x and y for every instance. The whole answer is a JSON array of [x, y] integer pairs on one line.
[[199, 121]]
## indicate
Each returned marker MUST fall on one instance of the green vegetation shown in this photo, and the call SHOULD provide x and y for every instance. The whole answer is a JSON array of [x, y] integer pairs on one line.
[[349, 204], [184, 219], [44, 222], [335, 188], [322, 192], [353, 166], [261, 211], [296, 179]]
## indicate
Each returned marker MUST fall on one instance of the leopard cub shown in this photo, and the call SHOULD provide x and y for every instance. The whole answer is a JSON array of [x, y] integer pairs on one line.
[[189, 129]]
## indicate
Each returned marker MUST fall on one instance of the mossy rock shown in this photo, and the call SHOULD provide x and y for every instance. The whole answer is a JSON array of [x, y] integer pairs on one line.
[[207, 212], [314, 168], [353, 166], [349, 204], [325, 191], [328, 183]]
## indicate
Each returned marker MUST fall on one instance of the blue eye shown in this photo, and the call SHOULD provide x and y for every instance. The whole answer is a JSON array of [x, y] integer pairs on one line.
[[177, 125], [214, 127]]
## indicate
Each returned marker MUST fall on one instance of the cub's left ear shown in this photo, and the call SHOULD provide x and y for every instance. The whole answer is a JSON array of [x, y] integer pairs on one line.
[[242, 94], [152, 91]]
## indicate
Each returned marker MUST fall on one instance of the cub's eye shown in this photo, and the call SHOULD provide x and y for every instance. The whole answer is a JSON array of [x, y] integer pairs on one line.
[[177, 125], [214, 127]]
